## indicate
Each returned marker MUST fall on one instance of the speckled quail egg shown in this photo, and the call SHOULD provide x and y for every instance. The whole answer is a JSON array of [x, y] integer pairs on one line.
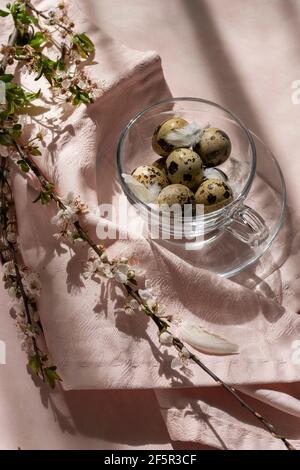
[[213, 194], [160, 163], [214, 147], [176, 194], [159, 144], [184, 166], [149, 175]]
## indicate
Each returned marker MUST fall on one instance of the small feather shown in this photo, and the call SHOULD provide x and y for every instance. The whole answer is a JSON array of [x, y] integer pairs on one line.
[[215, 173], [187, 136], [204, 341], [140, 191]]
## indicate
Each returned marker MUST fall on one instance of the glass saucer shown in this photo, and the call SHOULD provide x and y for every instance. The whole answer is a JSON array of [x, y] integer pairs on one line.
[[226, 255]]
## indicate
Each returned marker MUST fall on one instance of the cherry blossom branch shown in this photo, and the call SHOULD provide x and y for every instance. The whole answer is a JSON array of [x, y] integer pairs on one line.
[[48, 18], [37, 359], [126, 278], [23, 286]]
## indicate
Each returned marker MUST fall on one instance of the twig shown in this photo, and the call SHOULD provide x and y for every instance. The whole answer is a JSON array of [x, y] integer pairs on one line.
[[13, 253], [46, 17], [179, 345]]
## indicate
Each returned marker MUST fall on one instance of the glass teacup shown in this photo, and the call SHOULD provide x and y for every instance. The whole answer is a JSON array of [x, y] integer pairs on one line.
[[239, 219]]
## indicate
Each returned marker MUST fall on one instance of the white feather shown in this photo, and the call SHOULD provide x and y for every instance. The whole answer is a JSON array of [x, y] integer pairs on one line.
[[215, 173], [140, 191], [204, 341], [187, 136]]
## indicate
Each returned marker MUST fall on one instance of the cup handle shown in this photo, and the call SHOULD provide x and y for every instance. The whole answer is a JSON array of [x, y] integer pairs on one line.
[[248, 226]]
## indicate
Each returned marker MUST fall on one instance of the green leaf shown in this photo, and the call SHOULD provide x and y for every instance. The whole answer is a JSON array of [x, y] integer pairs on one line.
[[6, 139], [83, 44], [23, 165], [4, 13], [37, 40], [16, 131], [46, 67], [61, 66], [35, 363], [51, 376], [32, 96], [49, 186], [21, 16], [7, 77], [16, 99], [80, 96], [45, 197], [35, 151]]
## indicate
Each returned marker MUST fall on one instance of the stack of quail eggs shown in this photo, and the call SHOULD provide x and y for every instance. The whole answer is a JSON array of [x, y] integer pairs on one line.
[[185, 173]]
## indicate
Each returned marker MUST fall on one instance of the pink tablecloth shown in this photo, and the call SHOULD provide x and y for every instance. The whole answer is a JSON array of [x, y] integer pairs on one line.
[[226, 87]]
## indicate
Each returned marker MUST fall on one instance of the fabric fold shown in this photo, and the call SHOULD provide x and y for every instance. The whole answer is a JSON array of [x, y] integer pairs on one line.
[[93, 343]]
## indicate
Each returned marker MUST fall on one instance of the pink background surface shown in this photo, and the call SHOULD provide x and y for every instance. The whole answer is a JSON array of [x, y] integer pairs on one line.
[[257, 45]]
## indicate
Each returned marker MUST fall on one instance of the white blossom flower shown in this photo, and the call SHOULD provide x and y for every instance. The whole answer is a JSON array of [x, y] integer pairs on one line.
[[121, 273], [148, 294], [131, 307], [12, 292], [11, 236], [64, 217], [107, 271], [165, 338], [185, 353], [32, 284], [35, 316], [9, 269], [176, 363], [181, 360], [92, 267], [76, 204], [27, 345], [4, 151], [64, 221]]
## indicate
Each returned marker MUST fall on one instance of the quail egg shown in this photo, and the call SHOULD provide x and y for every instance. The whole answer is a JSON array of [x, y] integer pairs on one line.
[[149, 175], [159, 144], [175, 194], [214, 147], [213, 194], [160, 163], [184, 166]]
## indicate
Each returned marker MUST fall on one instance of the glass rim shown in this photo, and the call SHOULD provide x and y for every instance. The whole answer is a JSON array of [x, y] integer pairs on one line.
[[243, 193]]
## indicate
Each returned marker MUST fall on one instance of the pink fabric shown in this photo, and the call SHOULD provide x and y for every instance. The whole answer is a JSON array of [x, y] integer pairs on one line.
[[90, 339], [94, 345]]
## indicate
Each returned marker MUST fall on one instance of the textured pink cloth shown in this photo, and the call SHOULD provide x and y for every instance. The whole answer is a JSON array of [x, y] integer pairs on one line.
[[91, 341]]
